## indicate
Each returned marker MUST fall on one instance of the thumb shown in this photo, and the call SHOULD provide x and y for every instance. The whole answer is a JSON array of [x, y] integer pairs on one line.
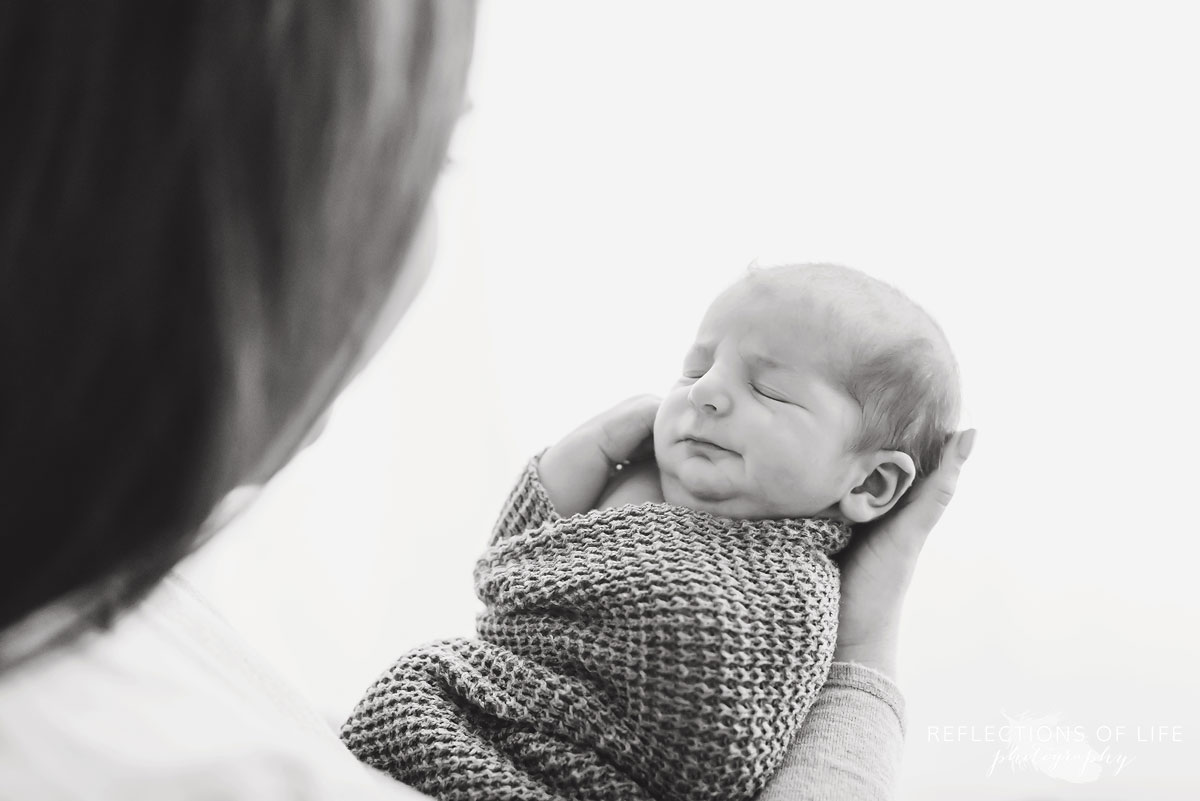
[[937, 490], [624, 429]]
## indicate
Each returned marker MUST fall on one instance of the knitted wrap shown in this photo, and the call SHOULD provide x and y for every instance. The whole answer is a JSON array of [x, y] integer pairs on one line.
[[643, 652]]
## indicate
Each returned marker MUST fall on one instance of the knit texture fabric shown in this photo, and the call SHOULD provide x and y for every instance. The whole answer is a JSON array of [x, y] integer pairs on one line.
[[643, 652]]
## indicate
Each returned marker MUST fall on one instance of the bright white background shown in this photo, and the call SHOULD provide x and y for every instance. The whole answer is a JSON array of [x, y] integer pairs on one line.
[[1029, 172]]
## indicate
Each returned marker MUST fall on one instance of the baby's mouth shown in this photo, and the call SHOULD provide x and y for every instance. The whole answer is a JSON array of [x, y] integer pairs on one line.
[[704, 445]]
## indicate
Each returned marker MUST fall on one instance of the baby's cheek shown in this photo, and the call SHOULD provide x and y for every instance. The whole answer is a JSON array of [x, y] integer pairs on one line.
[[664, 425], [786, 483], [777, 484]]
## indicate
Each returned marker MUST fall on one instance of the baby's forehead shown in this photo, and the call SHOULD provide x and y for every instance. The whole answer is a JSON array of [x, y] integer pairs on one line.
[[771, 330]]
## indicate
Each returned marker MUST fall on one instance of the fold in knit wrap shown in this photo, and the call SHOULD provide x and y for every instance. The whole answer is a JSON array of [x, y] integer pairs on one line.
[[644, 652]]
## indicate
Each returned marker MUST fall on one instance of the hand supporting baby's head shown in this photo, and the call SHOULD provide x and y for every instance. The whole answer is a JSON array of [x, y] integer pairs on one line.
[[810, 391]]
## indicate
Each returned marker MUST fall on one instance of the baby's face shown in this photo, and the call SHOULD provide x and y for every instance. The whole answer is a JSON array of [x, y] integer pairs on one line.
[[756, 427]]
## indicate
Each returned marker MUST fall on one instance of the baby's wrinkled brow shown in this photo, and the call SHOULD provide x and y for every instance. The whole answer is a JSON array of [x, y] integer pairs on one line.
[[767, 363]]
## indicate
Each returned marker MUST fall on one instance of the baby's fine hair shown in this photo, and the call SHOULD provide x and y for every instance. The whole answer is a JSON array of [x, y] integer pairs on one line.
[[893, 358]]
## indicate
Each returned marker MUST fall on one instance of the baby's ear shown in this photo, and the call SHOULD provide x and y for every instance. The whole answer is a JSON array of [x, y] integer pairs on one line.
[[889, 474]]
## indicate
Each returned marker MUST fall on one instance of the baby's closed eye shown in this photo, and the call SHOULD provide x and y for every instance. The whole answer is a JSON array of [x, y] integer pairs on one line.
[[769, 393]]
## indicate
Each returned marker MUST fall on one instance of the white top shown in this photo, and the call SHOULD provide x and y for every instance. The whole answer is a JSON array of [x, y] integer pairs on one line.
[[169, 705]]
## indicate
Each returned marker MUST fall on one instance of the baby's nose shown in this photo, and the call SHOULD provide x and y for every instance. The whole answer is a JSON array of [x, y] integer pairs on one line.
[[708, 396]]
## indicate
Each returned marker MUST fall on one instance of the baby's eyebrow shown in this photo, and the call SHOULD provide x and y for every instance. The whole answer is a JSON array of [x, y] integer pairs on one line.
[[767, 363]]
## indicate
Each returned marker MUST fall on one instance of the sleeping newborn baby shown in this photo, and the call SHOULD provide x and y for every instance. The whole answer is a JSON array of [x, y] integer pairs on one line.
[[668, 643]]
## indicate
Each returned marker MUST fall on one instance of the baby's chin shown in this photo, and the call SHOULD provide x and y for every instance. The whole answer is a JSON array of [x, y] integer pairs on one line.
[[704, 488], [706, 496]]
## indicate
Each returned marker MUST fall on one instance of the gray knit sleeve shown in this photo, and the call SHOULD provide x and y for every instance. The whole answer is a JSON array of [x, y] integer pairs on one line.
[[850, 746], [528, 506]]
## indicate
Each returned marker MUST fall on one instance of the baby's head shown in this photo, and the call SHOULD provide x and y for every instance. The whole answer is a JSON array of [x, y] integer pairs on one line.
[[810, 391]]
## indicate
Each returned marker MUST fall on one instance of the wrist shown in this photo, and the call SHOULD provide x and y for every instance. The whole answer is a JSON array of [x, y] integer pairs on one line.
[[879, 654]]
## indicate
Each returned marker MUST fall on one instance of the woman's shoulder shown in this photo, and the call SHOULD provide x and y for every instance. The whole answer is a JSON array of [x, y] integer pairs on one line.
[[169, 704]]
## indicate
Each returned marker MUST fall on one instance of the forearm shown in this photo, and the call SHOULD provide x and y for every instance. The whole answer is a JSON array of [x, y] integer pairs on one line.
[[573, 473], [850, 745]]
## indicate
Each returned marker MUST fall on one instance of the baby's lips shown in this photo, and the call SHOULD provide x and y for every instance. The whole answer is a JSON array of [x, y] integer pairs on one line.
[[694, 439]]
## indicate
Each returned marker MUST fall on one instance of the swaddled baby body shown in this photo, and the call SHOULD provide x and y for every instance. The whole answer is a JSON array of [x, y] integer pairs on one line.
[[669, 643]]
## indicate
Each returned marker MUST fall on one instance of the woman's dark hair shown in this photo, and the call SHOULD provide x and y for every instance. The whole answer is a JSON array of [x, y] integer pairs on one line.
[[203, 206]]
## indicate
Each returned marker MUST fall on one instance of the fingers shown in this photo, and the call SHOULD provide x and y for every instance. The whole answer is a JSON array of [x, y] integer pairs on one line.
[[934, 494], [624, 431]]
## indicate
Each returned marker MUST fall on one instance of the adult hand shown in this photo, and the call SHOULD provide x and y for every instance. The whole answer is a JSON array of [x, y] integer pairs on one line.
[[878, 565], [576, 470]]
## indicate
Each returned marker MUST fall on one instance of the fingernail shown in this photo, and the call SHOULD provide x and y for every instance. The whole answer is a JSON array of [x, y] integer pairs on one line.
[[965, 443]]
